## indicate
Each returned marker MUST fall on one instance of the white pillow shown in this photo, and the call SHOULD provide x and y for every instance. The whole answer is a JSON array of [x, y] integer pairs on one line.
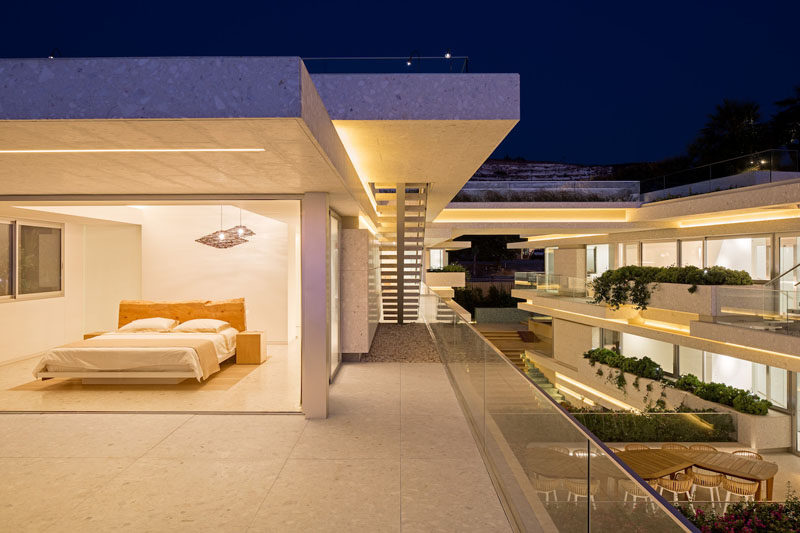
[[202, 325], [155, 325]]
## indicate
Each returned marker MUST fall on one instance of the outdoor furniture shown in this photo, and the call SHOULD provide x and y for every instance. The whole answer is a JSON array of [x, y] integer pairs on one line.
[[746, 489], [749, 454], [673, 446], [545, 485], [682, 484], [702, 448], [711, 482], [578, 488], [614, 450], [738, 466], [652, 463], [634, 447], [559, 449]]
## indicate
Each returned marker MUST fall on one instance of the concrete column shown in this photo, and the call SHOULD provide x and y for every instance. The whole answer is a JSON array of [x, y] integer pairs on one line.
[[316, 363], [570, 261]]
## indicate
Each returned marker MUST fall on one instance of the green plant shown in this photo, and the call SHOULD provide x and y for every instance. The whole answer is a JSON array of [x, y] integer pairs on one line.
[[751, 517], [471, 297], [740, 399], [449, 268], [633, 284], [644, 367], [659, 425]]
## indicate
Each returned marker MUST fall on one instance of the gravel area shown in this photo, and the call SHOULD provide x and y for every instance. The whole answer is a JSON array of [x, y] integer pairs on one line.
[[404, 343]]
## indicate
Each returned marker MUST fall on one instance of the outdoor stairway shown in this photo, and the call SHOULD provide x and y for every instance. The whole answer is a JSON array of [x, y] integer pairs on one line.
[[444, 313], [544, 383], [401, 224], [510, 343]]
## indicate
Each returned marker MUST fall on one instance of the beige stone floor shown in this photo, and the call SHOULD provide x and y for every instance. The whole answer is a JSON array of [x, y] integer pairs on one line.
[[395, 454], [273, 386]]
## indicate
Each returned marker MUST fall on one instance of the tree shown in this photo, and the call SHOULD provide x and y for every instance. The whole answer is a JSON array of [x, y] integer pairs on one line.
[[734, 129], [785, 123]]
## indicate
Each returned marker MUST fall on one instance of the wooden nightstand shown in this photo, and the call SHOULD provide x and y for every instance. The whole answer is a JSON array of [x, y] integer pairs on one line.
[[248, 348], [93, 334]]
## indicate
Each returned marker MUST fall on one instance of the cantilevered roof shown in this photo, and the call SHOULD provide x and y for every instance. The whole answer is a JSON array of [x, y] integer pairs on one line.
[[242, 125]]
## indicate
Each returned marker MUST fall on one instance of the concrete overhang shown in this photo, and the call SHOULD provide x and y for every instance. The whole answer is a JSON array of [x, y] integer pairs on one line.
[[421, 128], [175, 125]]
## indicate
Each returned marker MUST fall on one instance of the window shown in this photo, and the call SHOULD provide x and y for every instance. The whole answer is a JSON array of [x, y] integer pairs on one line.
[[597, 260], [659, 254], [692, 253], [30, 259], [437, 259], [6, 258], [751, 254], [591, 260], [631, 254], [662, 353], [690, 362]]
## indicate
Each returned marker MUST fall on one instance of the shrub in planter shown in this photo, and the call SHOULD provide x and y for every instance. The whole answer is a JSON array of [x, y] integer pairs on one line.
[[664, 426], [449, 268], [631, 284], [644, 367], [754, 517], [740, 399]]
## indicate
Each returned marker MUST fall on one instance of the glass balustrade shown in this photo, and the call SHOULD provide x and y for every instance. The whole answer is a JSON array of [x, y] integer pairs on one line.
[[551, 473]]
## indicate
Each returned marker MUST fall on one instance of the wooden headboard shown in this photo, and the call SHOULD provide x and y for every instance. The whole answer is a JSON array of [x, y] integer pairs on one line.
[[231, 311]]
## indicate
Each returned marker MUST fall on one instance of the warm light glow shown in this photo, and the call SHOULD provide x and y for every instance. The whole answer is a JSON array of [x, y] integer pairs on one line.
[[745, 217], [364, 221], [349, 147], [606, 397], [124, 150], [560, 236], [240, 231], [221, 236], [574, 394], [519, 215]]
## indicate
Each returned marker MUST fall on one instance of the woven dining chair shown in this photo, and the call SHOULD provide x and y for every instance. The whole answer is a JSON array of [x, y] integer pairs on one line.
[[682, 484], [634, 447], [702, 448], [710, 482], [673, 446], [748, 454], [559, 449], [578, 488], [545, 485], [614, 450], [745, 489]]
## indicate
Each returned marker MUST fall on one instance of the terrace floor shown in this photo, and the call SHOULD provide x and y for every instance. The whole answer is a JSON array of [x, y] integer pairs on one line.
[[395, 454]]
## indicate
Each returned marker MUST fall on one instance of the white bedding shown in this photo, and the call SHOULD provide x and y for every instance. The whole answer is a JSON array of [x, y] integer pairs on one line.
[[167, 359]]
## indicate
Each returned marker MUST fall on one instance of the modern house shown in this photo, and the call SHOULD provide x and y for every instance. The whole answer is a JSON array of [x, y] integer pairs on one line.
[[223, 233]]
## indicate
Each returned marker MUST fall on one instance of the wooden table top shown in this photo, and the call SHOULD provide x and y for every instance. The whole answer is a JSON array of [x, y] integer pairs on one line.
[[732, 465], [655, 463], [550, 463]]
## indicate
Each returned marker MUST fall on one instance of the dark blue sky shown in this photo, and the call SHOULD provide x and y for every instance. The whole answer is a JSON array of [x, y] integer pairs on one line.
[[602, 82]]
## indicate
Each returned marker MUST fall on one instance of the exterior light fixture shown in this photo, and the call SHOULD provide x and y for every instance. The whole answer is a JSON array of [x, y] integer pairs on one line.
[[763, 161], [410, 59], [447, 54]]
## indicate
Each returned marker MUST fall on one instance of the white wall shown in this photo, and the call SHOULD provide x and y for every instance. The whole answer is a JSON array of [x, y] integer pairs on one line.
[[636, 346], [29, 327], [113, 272], [175, 267]]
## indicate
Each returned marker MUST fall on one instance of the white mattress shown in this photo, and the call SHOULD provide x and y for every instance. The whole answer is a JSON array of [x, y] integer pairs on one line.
[[171, 359]]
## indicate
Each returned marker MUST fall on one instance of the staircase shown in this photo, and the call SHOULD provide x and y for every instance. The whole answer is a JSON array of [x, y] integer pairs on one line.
[[401, 218], [510, 343], [544, 383]]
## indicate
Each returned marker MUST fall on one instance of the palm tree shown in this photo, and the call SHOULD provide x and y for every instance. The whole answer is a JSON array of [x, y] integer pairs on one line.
[[786, 122], [734, 129]]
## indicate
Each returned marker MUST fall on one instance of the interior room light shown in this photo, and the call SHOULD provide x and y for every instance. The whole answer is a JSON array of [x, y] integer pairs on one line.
[[221, 236]]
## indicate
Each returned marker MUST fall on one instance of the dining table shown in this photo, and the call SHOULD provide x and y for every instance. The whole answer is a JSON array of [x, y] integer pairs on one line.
[[655, 463]]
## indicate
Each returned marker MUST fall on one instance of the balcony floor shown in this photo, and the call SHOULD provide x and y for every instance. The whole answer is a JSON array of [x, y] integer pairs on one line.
[[395, 454]]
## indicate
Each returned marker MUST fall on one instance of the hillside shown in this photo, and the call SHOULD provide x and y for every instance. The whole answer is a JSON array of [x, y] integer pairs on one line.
[[511, 170]]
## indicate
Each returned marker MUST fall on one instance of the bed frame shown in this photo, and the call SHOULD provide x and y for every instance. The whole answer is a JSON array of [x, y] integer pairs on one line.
[[231, 311]]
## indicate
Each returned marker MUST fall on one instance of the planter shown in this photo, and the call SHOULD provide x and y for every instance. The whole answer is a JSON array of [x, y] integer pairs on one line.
[[769, 432], [705, 301], [445, 279]]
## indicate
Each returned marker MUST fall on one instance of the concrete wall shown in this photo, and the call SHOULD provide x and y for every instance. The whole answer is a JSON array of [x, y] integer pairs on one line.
[[570, 262], [571, 340], [113, 270], [360, 272], [175, 267], [500, 315]]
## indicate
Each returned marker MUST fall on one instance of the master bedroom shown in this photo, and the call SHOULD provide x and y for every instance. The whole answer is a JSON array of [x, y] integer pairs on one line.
[[171, 306]]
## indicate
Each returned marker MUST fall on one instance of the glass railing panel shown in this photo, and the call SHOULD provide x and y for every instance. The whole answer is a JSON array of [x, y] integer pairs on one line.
[[618, 427], [756, 308], [620, 501], [541, 459]]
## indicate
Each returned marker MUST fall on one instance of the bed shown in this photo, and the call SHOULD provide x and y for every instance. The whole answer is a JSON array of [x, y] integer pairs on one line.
[[150, 357]]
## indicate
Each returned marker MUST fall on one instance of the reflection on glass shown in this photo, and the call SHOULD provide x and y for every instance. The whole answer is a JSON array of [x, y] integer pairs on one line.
[[39, 259], [778, 386], [6, 243], [631, 254], [692, 253], [743, 253], [659, 254]]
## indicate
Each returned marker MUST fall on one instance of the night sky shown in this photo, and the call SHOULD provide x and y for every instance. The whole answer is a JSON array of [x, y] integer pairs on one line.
[[602, 82]]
